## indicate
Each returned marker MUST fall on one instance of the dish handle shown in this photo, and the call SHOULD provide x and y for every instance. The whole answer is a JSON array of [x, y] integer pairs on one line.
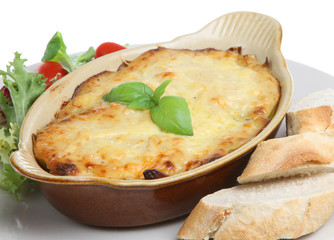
[[249, 30]]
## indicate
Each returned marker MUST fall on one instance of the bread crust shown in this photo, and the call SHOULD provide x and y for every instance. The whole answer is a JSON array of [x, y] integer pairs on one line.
[[290, 219], [282, 218], [307, 150], [293, 155], [206, 219], [318, 119]]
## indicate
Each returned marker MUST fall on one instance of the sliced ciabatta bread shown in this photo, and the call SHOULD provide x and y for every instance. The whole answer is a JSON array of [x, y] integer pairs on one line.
[[308, 148], [313, 113], [301, 154], [270, 210]]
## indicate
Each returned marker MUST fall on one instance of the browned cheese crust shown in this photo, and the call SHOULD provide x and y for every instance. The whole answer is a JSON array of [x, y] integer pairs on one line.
[[231, 99]]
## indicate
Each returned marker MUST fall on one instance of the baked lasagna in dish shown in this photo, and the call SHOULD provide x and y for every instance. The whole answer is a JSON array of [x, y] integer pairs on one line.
[[231, 98]]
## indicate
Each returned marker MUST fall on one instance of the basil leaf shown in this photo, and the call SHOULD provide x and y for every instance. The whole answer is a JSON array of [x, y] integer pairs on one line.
[[142, 103], [172, 115], [160, 90], [129, 92]]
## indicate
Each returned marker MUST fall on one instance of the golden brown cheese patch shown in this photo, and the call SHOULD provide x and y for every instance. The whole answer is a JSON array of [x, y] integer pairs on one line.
[[231, 98]]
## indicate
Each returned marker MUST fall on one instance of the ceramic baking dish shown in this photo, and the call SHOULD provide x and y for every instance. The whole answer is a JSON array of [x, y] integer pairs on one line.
[[121, 203]]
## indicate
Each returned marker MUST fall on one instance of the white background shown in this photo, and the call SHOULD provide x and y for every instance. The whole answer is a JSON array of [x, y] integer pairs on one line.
[[27, 26]]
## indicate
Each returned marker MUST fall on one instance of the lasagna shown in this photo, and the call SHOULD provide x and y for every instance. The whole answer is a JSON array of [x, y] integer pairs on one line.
[[231, 98]]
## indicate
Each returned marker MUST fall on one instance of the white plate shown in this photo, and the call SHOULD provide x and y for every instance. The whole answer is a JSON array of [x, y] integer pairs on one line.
[[35, 219]]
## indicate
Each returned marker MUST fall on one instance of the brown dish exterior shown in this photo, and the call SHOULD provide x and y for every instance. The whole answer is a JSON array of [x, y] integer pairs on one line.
[[122, 207], [122, 203]]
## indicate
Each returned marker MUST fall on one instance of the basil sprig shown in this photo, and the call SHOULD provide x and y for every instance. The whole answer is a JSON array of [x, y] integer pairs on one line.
[[170, 113]]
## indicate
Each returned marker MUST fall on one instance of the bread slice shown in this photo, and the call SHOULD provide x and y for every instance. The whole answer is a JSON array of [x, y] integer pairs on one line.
[[300, 154], [309, 147], [313, 113], [270, 210], [281, 208]]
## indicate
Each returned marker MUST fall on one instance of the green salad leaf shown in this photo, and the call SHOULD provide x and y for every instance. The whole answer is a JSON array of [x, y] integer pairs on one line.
[[85, 57], [24, 88], [56, 51], [10, 180], [170, 113]]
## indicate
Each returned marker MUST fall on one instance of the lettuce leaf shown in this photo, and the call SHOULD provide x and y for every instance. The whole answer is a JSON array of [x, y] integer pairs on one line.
[[24, 88], [10, 180]]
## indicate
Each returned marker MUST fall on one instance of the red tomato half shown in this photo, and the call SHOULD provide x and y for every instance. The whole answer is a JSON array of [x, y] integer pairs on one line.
[[106, 48], [6, 92], [51, 70]]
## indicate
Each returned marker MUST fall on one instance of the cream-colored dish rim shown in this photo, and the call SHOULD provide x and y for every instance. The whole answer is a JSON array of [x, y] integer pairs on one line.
[[256, 33]]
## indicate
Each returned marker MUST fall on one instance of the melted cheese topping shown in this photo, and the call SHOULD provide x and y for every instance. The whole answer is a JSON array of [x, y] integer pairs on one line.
[[231, 98]]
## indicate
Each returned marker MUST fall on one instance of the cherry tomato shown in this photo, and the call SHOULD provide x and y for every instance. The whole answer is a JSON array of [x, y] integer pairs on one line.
[[51, 70], [106, 48]]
